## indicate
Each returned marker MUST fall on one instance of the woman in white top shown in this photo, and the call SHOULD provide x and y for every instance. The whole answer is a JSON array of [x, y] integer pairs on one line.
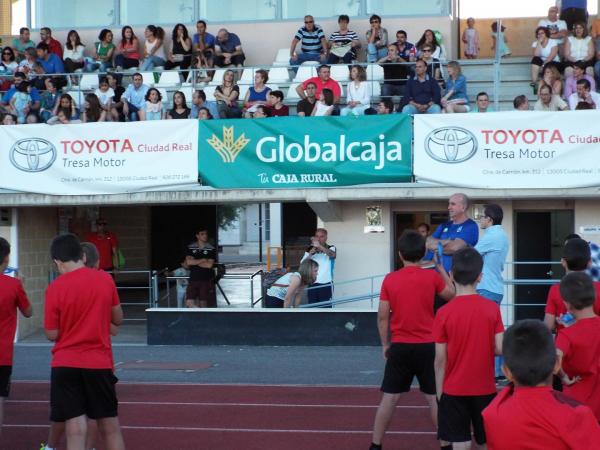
[[545, 50], [579, 47], [358, 98], [73, 53], [154, 51], [287, 291], [324, 107]]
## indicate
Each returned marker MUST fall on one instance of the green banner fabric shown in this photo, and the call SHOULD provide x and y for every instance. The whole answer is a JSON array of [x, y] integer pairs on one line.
[[304, 152]]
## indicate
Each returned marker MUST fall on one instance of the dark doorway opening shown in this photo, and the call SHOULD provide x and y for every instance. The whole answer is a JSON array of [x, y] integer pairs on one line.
[[410, 221], [299, 222]]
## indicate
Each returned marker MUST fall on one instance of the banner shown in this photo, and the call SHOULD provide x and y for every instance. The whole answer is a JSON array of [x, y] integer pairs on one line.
[[301, 152], [509, 150], [98, 158]]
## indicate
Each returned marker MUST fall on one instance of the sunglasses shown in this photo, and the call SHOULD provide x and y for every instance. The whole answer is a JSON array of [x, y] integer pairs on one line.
[[309, 21]]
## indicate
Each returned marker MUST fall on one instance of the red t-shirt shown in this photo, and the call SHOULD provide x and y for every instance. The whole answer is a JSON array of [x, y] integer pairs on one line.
[[468, 325], [580, 344], [105, 246], [12, 296], [329, 84], [79, 305], [538, 418], [281, 112], [55, 47], [556, 306], [410, 292]]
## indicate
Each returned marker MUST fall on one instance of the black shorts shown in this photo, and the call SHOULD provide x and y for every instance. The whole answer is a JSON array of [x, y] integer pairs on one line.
[[406, 361], [5, 373], [75, 392], [457, 413], [203, 291]]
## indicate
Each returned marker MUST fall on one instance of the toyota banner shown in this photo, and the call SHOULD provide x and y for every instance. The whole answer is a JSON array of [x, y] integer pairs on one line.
[[508, 150]]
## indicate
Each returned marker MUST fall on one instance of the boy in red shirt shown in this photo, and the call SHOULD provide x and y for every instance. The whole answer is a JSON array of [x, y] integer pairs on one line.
[[578, 345], [468, 334], [406, 312], [80, 306], [528, 414], [12, 297]]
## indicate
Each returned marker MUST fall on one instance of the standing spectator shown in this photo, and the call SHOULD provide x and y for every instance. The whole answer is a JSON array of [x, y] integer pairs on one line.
[[573, 11], [584, 93], [545, 52], [180, 109], [73, 53], [228, 49], [204, 45], [313, 44], [307, 104], [134, 97], [406, 50], [594, 269], [377, 40], [180, 52], [482, 104], [275, 105], [102, 53], [92, 110], [105, 96], [127, 54], [343, 43], [456, 99], [552, 77], [107, 244], [358, 98], [51, 63], [578, 74], [116, 110], [49, 100], [324, 106], [322, 81], [521, 103], [499, 41], [324, 254], [200, 258], [422, 92], [579, 48], [428, 39], [470, 38], [53, 45], [199, 102], [395, 73], [549, 102], [257, 94], [18, 78], [152, 109], [154, 50], [227, 94], [557, 28], [22, 43], [287, 290]]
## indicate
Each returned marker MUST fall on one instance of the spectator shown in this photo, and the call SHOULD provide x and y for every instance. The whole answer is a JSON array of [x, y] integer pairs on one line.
[[106, 243], [201, 257], [422, 93], [134, 97], [22, 43], [8, 63], [385, 106], [552, 77], [261, 112], [358, 98], [53, 45], [49, 100], [307, 104], [499, 41], [470, 38], [116, 110], [584, 93], [9, 119], [20, 103], [27, 64], [152, 109], [62, 118], [324, 106], [32, 118], [482, 102], [18, 78], [228, 49], [456, 99], [595, 33], [429, 40], [102, 53], [313, 44], [105, 96], [324, 255], [180, 52], [377, 40], [180, 109], [424, 229], [204, 114], [343, 43], [227, 95], [257, 94], [406, 50], [434, 67], [557, 28], [204, 46], [578, 74], [545, 51], [395, 73], [66, 103], [127, 54], [579, 47], [73, 53], [573, 11], [322, 81], [154, 50], [92, 111], [521, 103], [275, 106], [51, 63], [199, 102], [287, 290]]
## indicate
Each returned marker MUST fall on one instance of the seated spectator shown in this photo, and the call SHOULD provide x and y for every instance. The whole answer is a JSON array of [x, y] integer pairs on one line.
[[53, 45], [395, 73], [358, 97], [116, 103], [406, 50], [377, 40], [227, 95], [102, 53], [8, 63], [49, 100], [92, 111], [20, 103], [65, 103], [579, 47], [152, 109], [545, 51], [32, 118], [134, 97], [257, 94], [422, 93], [434, 67], [385, 106], [482, 102], [27, 64], [261, 112], [9, 119], [595, 33], [73, 53], [228, 50], [312, 42], [429, 40], [199, 102], [22, 43], [324, 106], [552, 77], [456, 99], [578, 74], [547, 101], [287, 291], [584, 93], [51, 64], [343, 43], [275, 105], [36, 76], [105, 94], [154, 50], [307, 104], [180, 108], [557, 28], [204, 46], [127, 54], [18, 78], [180, 51], [62, 118], [521, 103], [321, 81], [204, 113]]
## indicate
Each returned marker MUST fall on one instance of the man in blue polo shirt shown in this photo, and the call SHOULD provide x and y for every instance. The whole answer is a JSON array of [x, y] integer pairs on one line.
[[51, 63], [313, 44], [422, 93], [18, 78]]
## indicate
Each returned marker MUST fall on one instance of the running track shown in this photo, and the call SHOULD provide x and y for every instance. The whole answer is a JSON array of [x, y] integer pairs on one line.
[[233, 417]]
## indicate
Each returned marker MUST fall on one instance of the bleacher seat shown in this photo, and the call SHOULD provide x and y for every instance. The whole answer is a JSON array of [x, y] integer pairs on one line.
[[165, 96], [305, 71], [292, 94], [77, 96], [210, 92], [247, 76], [148, 78], [188, 91], [374, 89], [279, 75], [374, 72], [340, 73], [169, 78], [282, 58], [218, 77], [89, 81]]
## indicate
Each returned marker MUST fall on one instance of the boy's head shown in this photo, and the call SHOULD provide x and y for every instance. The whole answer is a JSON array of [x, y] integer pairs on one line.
[[91, 257], [467, 264], [529, 353], [4, 251], [576, 254], [411, 246], [577, 290], [66, 248], [275, 97]]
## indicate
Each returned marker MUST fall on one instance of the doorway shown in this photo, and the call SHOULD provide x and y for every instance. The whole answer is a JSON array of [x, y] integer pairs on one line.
[[410, 221], [299, 222]]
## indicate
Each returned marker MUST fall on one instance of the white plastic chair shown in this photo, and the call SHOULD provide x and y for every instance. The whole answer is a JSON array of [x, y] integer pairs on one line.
[[77, 96], [291, 93], [282, 58], [305, 71], [374, 72], [169, 78], [188, 91], [218, 77], [165, 95], [279, 75], [89, 81], [210, 92], [340, 73], [148, 78]]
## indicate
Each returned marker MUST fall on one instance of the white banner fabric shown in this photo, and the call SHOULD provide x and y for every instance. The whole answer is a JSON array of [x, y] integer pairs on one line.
[[98, 158], [508, 150]]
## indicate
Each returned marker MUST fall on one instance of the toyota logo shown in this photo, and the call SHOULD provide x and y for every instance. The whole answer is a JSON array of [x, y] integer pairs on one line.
[[451, 144], [32, 155]]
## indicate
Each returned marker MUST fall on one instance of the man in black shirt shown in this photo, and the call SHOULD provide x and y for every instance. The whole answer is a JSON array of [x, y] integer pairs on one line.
[[306, 105], [395, 73], [200, 258]]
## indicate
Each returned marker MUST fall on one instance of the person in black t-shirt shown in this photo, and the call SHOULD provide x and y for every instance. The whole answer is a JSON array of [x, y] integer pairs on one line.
[[306, 105], [200, 258]]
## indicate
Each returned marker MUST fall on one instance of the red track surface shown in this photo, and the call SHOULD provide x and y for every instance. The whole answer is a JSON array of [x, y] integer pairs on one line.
[[225, 417]]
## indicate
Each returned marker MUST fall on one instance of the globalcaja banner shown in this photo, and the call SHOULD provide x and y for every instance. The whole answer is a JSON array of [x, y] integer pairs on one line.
[[98, 158], [294, 152], [509, 150]]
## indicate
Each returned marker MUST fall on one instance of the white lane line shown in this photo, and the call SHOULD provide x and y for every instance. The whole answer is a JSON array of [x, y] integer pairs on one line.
[[199, 384]]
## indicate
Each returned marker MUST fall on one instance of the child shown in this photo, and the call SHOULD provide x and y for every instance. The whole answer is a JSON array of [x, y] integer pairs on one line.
[[21, 101], [406, 311], [182, 284], [275, 104], [12, 297], [152, 108], [468, 333], [470, 38], [105, 94], [499, 41], [529, 414], [324, 107], [578, 346]]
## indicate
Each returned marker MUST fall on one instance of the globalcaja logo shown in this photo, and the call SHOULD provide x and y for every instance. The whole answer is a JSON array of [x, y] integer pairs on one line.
[[32, 154], [451, 144], [227, 148]]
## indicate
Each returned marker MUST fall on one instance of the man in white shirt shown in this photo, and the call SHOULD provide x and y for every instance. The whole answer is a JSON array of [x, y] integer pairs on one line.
[[549, 102], [558, 28], [324, 254], [584, 94]]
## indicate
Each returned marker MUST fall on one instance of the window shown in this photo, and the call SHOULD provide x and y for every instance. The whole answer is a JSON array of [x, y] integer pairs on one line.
[[72, 13], [146, 12], [292, 9], [415, 8], [243, 10]]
